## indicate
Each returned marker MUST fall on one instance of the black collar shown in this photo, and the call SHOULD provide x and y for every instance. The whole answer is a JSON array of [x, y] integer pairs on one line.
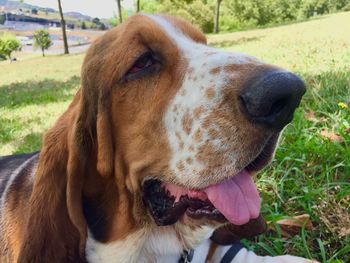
[[230, 254], [187, 256]]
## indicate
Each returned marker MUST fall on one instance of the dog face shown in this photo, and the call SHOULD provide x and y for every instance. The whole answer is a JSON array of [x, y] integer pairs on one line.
[[186, 117]]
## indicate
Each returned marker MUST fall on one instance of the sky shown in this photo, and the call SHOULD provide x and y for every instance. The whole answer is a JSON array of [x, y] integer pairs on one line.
[[93, 8]]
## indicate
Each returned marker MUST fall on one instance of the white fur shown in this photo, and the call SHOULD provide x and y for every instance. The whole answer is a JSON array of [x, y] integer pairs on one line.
[[162, 245], [5, 195], [156, 244], [13, 176], [245, 256], [125, 250], [191, 95]]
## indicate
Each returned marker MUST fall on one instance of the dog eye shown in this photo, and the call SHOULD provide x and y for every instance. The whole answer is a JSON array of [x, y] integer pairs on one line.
[[145, 61], [146, 65]]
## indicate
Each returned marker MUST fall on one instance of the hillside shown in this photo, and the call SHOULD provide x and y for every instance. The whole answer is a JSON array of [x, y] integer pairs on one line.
[[43, 12]]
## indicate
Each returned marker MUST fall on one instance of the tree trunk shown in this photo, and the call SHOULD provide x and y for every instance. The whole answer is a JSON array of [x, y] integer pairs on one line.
[[137, 6], [217, 15], [119, 12], [42, 50], [63, 25]]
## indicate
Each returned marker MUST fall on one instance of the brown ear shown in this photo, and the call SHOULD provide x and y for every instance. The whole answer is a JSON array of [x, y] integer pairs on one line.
[[105, 151], [96, 102], [56, 230]]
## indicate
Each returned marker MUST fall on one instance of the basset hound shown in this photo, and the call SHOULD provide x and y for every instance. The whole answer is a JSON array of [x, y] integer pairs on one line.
[[155, 152]]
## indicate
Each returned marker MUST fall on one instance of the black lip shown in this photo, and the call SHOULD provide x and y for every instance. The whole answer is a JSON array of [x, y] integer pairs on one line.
[[165, 211], [264, 157], [208, 212]]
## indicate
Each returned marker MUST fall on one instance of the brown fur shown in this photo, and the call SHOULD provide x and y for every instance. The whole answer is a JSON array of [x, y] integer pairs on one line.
[[102, 148], [104, 139]]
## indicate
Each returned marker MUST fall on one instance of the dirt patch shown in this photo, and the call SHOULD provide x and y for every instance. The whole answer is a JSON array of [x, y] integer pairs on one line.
[[334, 214]]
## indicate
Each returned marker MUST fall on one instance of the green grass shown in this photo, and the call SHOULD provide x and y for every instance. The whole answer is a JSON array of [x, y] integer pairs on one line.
[[310, 174], [33, 92]]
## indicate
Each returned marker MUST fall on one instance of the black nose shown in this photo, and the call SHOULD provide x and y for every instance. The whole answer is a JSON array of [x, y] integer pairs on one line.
[[272, 99]]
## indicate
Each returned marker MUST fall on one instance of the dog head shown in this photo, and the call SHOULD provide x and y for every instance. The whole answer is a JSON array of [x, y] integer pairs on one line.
[[164, 130]]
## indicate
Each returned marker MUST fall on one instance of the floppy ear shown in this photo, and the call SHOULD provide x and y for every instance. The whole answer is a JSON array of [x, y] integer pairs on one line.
[[96, 90], [56, 230]]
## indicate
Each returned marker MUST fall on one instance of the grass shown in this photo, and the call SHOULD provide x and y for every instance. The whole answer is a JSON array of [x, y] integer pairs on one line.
[[33, 93], [311, 171]]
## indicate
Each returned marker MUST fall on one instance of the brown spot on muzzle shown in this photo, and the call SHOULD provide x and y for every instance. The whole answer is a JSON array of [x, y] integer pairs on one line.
[[198, 112], [232, 68], [197, 136], [181, 145], [215, 71], [189, 160], [180, 165], [187, 122], [210, 93]]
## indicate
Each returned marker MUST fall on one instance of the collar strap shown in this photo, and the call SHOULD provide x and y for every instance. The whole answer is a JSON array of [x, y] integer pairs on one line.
[[186, 256], [231, 252]]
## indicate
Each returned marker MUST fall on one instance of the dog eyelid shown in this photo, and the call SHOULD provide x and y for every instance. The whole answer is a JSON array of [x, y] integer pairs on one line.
[[146, 60]]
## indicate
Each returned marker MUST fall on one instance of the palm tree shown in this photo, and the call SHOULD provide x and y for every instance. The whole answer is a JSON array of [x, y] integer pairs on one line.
[[63, 25]]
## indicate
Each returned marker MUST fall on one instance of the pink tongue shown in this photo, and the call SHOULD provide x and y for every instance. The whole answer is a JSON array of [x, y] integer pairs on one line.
[[237, 199]]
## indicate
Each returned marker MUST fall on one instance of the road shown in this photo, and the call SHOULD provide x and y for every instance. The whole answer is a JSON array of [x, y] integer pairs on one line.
[[57, 48]]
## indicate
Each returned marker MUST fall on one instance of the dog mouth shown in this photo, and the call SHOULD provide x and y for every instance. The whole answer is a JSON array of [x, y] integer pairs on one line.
[[235, 200], [167, 209]]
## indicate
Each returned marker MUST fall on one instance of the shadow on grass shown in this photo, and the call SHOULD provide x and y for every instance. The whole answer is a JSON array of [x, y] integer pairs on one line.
[[229, 43], [37, 92], [18, 95]]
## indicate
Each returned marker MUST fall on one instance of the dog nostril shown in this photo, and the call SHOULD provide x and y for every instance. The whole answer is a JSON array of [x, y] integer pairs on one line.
[[278, 106], [264, 109]]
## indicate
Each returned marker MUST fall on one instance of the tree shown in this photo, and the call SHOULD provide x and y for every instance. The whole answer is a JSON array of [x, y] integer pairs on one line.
[[96, 20], [63, 25], [120, 18], [8, 44], [217, 15], [138, 6], [2, 19], [83, 25], [102, 26], [42, 39], [96, 23], [34, 11], [195, 11]]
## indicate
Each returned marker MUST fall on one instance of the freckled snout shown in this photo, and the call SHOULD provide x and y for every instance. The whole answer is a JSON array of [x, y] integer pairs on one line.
[[272, 99]]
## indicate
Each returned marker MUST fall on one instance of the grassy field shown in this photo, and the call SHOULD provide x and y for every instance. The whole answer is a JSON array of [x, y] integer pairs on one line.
[[311, 172]]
